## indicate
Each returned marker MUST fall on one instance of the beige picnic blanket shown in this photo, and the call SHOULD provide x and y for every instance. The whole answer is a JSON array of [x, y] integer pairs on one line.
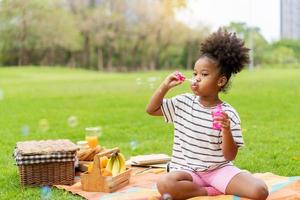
[[143, 187]]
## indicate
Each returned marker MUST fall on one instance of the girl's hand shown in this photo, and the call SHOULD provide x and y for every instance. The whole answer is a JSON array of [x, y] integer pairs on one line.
[[224, 122], [171, 81]]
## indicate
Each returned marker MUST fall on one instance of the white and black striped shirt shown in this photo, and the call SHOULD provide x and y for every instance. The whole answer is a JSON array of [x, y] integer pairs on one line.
[[197, 145]]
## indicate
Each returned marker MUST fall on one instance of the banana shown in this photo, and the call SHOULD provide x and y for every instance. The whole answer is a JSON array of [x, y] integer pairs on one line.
[[110, 163], [121, 159], [116, 167]]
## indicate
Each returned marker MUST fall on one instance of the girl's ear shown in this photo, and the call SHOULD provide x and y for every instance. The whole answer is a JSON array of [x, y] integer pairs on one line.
[[222, 81]]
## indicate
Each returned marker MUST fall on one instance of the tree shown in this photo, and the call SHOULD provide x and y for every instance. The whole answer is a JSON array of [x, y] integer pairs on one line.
[[102, 35], [35, 28], [260, 44]]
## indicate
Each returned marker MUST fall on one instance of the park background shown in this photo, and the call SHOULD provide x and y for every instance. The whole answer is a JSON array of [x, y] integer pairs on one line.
[[71, 64]]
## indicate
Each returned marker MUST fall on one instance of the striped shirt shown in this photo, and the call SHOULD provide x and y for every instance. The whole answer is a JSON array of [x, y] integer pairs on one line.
[[197, 146]]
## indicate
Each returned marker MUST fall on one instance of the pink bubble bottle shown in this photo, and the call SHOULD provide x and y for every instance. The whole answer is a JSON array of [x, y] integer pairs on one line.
[[215, 113], [180, 76]]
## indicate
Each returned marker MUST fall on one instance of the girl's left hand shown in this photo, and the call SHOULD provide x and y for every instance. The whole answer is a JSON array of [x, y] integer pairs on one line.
[[224, 121]]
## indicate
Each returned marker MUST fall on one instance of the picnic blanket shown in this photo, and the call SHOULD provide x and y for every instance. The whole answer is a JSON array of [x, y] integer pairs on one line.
[[143, 187]]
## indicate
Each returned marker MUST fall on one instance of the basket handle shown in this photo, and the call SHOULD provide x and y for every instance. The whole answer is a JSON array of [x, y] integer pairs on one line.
[[96, 165], [108, 153]]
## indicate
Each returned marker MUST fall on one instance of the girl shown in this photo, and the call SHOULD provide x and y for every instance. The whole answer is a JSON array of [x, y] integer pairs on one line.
[[201, 158]]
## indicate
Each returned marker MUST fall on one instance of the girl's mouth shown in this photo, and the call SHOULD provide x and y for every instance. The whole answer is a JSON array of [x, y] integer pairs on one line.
[[194, 86], [193, 82]]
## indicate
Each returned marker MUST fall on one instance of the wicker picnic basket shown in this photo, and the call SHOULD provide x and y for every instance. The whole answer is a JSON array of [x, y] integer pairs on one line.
[[46, 162]]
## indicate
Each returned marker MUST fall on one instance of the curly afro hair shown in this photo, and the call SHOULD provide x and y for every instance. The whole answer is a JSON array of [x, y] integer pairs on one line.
[[227, 50]]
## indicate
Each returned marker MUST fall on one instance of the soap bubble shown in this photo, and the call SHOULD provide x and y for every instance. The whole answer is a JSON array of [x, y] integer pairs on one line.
[[133, 145], [166, 196], [72, 121], [151, 85], [45, 193], [43, 125], [25, 130], [152, 79], [1, 94], [138, 81]]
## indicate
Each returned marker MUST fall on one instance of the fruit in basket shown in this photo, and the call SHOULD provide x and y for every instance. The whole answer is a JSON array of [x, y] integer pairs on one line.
[[103, 162], [121, 159], [116, 164], [110, 163], [116, 167], [105, 172], [90, 167]]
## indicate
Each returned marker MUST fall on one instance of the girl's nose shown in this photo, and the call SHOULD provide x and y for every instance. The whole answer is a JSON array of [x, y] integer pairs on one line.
[[198, 79]]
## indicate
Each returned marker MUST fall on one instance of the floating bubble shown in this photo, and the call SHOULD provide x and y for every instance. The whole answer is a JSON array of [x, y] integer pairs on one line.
[[72, 121], [152, 79], [45, 193], [133, 145], [1, 94], [43, 125], [25, 130], [166, 196], [151, 85], [138, 81]]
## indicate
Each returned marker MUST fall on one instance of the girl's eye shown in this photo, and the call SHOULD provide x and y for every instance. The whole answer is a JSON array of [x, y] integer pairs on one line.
[[204, 74], [194, 74]]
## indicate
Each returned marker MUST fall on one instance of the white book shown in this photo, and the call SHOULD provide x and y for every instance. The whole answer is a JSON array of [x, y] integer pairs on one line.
[[150, 159]]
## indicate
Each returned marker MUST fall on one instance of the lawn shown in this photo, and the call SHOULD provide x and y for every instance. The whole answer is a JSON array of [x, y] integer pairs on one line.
[[36, 103]]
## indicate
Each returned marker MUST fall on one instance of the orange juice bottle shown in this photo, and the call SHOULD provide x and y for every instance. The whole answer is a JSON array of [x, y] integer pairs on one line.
[[92, 141], [91, 136]]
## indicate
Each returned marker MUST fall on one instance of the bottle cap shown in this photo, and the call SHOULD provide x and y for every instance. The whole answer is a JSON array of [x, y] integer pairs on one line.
[[92, 129]]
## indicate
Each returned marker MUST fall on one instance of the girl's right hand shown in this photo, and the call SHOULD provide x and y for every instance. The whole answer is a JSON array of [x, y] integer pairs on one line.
[[171, 81]]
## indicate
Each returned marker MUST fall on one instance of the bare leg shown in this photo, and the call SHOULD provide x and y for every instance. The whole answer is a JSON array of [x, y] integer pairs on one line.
[[246, 185], [179, 185]]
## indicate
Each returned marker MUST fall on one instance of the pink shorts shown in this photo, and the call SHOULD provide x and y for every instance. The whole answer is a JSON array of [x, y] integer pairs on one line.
[[218, 179]]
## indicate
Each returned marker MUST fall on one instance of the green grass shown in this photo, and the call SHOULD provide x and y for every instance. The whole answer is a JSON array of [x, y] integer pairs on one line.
[[267, 101]]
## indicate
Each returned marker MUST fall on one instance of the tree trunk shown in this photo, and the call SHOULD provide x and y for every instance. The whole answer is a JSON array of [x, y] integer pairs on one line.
[[86, 51], [23, 57], [100, 59], [110, 61], [152, 65], [45, 58], [71, 61], [51, 57], [135, 49]]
